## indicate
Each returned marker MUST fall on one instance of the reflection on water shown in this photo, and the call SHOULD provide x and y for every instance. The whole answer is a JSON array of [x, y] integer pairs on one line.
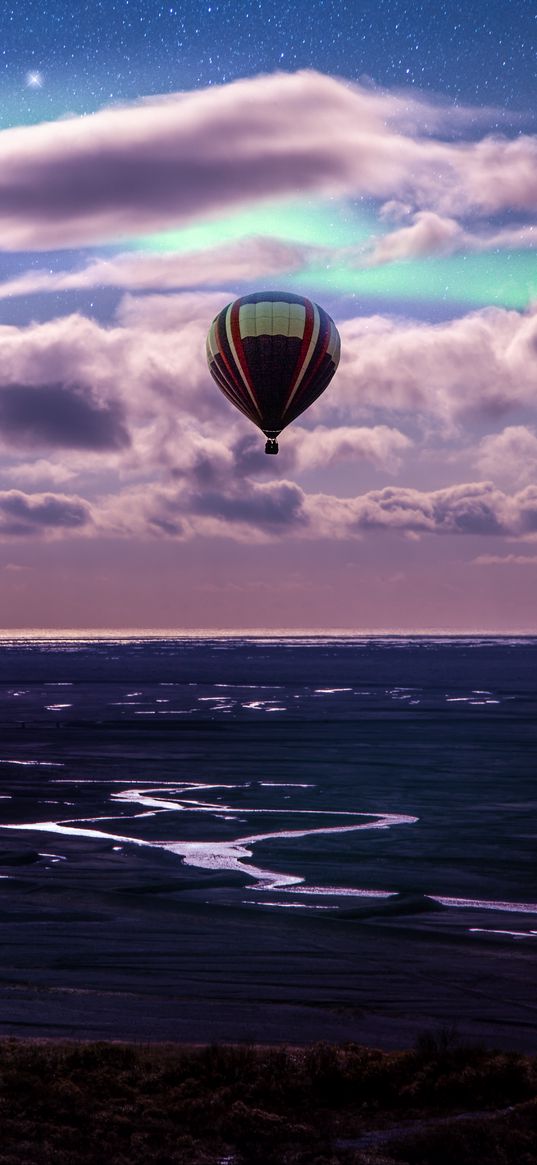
[[278, 675], [234, 854]]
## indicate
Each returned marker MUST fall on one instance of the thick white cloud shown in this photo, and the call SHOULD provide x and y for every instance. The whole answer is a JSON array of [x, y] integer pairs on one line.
[[136, 401], [137, 393], [510, 455], [308, 449], [222, 507], [428, 233], [280, 509], [152, 361], [164, 161], [132, 391], [484, 364], [474, 508], [41, 472]]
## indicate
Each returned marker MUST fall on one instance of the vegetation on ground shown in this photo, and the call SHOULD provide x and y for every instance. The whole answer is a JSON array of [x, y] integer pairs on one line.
[[125, 1104]]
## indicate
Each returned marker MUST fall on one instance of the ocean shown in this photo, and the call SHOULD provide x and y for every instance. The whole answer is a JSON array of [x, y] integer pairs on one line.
[[268, 838]]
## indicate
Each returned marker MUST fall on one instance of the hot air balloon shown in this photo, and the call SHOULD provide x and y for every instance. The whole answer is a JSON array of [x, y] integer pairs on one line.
[[272, 354]]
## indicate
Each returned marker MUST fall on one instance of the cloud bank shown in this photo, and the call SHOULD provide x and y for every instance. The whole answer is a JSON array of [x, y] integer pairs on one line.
[[482, 364], [161, 162], [72, 381], [135, 401], [274, 510], [27, 515]]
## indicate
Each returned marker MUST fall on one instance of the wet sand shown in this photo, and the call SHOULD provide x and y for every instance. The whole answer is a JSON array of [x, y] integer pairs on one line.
[[117, 937]]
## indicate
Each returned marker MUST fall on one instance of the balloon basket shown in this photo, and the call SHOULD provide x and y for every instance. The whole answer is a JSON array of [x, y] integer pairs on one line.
[[271, 446]]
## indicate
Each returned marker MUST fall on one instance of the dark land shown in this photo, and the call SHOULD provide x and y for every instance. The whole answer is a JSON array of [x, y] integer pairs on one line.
[[440, 1104]]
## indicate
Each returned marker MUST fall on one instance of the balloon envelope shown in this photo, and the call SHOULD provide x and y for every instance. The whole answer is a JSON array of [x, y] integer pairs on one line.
[[272, 354]]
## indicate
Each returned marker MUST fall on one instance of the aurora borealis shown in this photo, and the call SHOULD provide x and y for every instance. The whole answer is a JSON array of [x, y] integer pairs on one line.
[[506, 278], [159, 161]]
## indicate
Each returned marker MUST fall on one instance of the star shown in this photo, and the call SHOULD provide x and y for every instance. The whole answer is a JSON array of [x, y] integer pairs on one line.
[[34, 80]]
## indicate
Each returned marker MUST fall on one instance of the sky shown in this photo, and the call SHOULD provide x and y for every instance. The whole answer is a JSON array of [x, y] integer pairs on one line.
[[159, 160]]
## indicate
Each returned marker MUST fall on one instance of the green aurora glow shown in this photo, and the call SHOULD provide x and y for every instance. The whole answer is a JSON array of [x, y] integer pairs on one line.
[[308, 222], [501, 278]]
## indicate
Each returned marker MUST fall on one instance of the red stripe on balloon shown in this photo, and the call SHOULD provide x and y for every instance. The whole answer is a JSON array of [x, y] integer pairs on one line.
[[239, 348], [308, 331], [309, 375], [235, 390], [221, 324]]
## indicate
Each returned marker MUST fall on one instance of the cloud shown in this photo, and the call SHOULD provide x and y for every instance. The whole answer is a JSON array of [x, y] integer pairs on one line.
[[76, 383], [247, 512], [250, 511], [269, 507], [59, 415], [136, 397], [482, 364], [510, 455], [39, 472], [167, 160], [247, 259], [172, 313], [427, 233], [475, 508], [149, 402], [501, 174], [27, 515], [211, 462], [163, 161], [505, 560], [308, 449], [430, 233]]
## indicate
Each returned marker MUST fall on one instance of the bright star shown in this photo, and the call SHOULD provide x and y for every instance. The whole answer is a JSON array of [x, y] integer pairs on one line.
[[34, 80]]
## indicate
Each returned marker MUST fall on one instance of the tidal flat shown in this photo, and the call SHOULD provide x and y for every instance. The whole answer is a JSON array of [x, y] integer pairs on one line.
[[269, 840]]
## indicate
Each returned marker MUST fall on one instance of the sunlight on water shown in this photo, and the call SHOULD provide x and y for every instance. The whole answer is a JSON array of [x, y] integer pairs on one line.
[[231, 854]]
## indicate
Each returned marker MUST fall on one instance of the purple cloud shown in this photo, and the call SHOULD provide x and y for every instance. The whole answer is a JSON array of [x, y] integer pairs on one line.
[[282, 509], [149, 405], [168, 160], [505, 560], [477, 508], [194, 467], [308, 449], [58, 415], [484, 363], [510, 455], [24, 515], [428, 233], [271, 507], [247, 259]]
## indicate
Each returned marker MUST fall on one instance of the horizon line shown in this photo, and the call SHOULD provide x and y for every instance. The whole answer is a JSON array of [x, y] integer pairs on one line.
[[34, 632]]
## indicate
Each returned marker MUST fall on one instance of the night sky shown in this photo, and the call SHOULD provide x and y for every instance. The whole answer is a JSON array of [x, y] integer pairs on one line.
[[159, 159], [89, 54]]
